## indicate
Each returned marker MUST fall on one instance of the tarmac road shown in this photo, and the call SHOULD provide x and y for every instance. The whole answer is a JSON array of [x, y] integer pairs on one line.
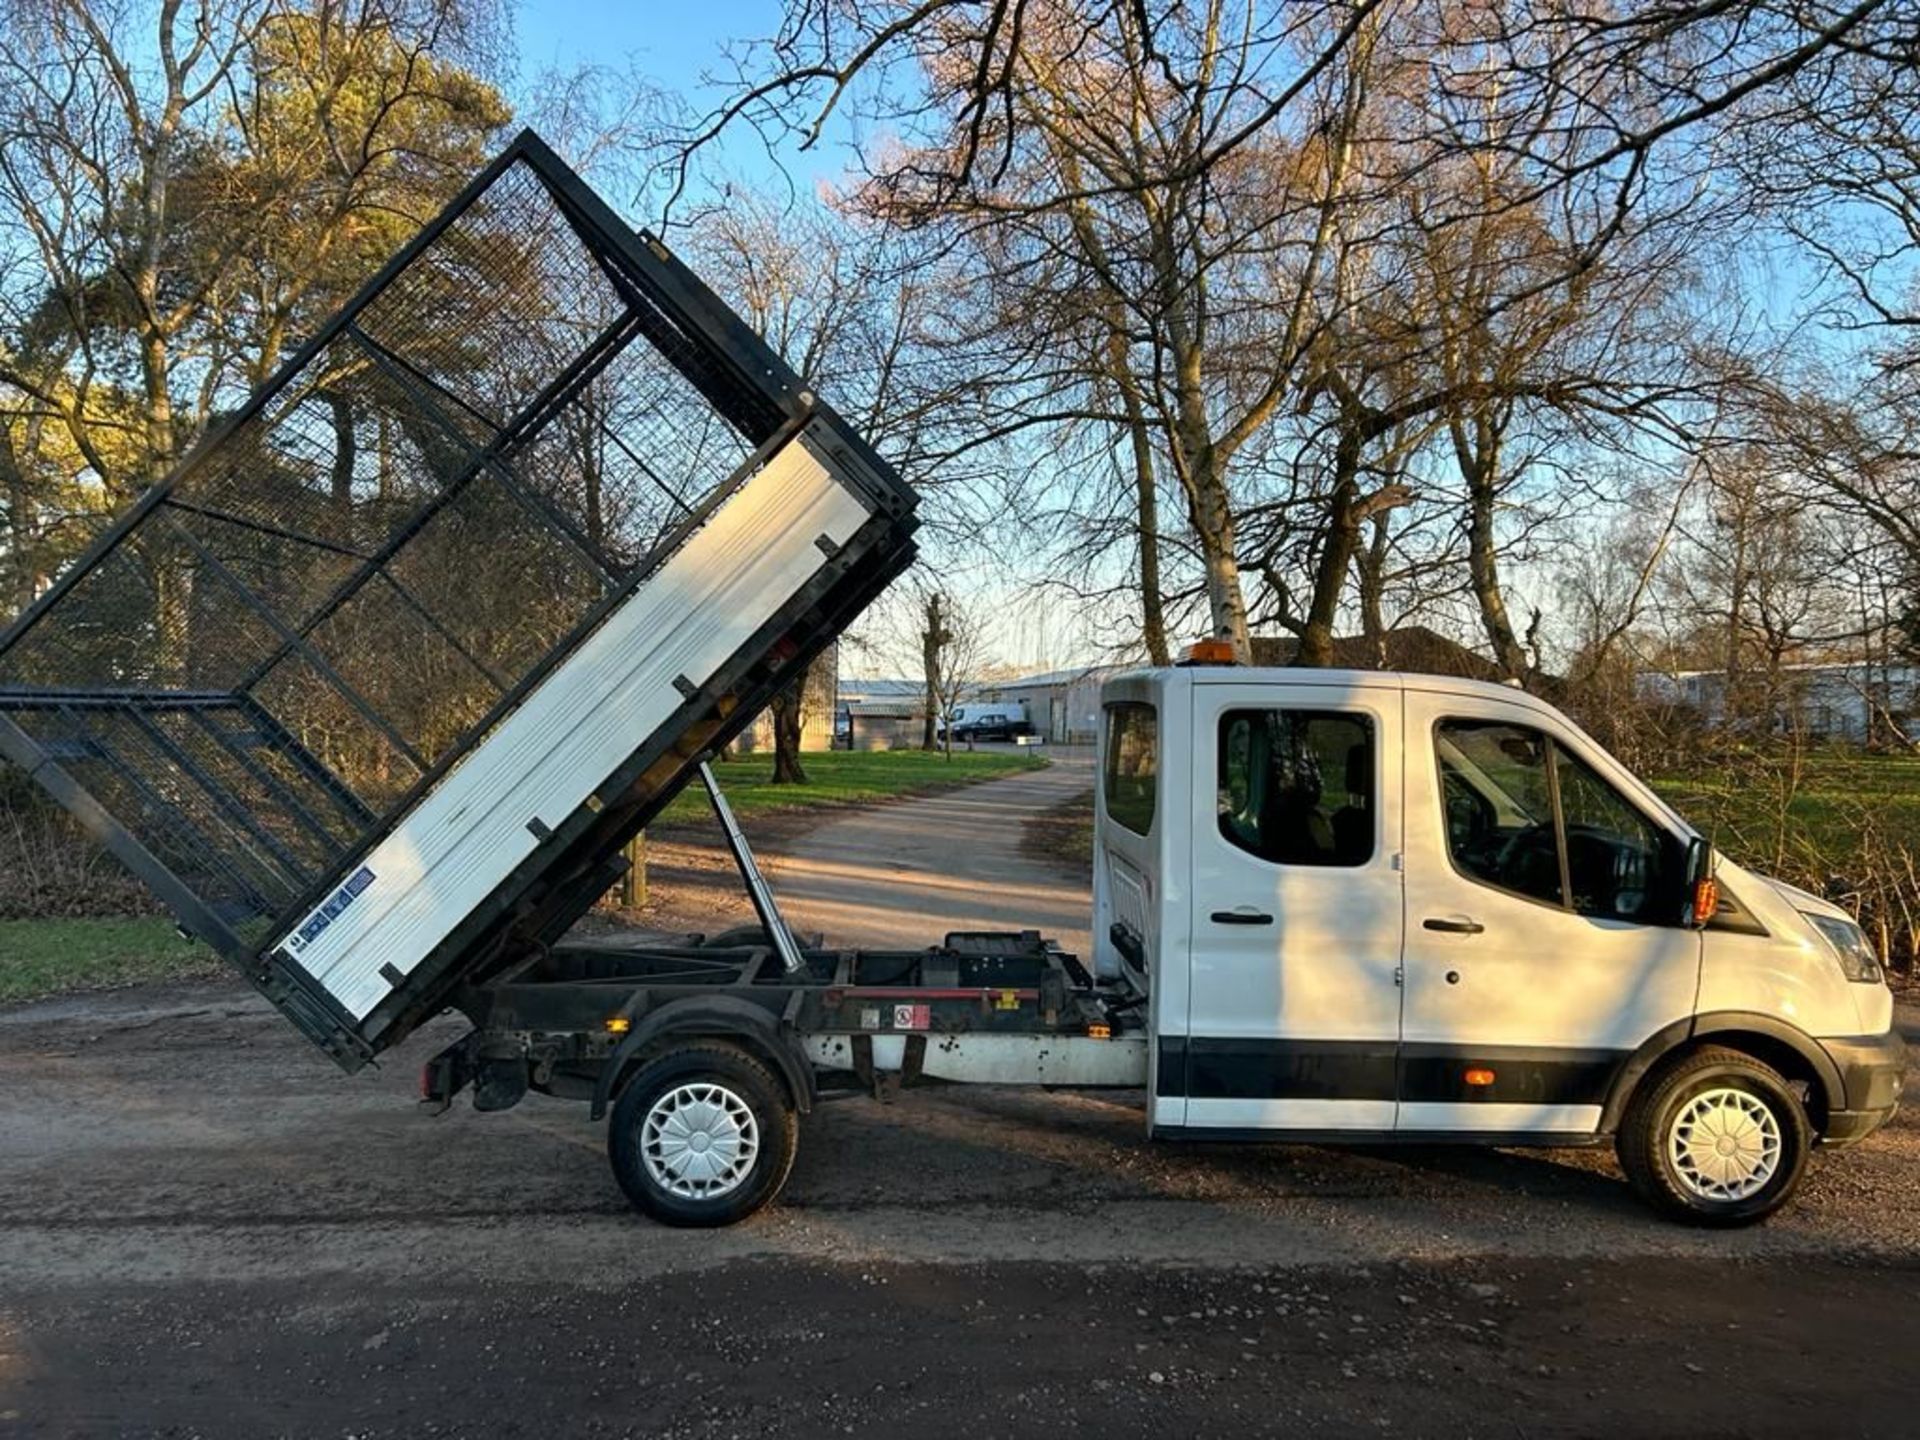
[[205, 1230]]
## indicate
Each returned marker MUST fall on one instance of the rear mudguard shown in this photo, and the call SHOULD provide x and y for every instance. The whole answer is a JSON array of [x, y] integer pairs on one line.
[[721, 1017]]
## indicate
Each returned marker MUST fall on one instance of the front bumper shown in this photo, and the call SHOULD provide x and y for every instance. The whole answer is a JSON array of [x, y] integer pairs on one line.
[[1872, 1072]]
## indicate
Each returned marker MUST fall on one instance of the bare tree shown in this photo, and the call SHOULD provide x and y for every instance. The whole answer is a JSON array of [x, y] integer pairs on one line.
[[951, 657], [1216, 187], [823, 292], [191, 187]]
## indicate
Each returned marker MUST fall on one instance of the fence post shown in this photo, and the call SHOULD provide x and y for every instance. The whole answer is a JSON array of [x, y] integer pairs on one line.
[[633, 882]]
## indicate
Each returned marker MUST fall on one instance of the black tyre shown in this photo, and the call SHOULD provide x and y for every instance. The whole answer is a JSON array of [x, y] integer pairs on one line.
[[1715, 1138], [703, 1135]]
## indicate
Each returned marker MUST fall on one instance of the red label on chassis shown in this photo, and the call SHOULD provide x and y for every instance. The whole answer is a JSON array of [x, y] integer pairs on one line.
[[912, 1017]]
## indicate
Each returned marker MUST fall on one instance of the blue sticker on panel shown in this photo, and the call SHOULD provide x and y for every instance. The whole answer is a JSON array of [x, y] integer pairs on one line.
[[330, 910]]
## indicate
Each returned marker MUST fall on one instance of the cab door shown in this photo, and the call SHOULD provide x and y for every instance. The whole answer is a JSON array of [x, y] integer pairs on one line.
[[1293, 1004], [1545, 934]]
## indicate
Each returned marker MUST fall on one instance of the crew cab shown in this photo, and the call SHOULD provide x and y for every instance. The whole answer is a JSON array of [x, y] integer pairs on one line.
[[1330, 906], [1384, 907]]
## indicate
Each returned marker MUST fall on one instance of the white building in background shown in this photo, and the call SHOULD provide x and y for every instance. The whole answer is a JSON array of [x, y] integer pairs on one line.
[[1856, 701], [1061, 705], [880, 714]]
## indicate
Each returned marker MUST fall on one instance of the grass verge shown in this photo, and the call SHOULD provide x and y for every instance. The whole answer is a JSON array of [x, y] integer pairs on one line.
[[49, 957], [839, 778], [39, 958], [1819, 805]]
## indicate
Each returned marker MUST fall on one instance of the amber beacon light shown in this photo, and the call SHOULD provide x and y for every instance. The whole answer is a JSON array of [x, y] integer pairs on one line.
[[1210, 652]]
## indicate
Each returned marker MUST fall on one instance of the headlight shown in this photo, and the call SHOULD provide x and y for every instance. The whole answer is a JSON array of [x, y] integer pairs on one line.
[[1849, 943]]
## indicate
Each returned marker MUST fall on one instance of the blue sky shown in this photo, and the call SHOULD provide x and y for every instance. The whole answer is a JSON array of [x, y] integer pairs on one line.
[[676, 47], [672, 42], [673, 46]]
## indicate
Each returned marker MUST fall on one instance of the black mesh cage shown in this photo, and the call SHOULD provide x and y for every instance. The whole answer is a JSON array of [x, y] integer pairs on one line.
[[280, 647]]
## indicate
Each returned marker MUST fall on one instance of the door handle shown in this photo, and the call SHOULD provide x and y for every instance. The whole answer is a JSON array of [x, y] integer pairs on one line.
[[1459, 925], [1246, 915]]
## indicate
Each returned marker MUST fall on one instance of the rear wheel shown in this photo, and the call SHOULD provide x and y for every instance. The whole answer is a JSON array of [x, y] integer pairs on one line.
[[1716, 1138], [704, 1135]]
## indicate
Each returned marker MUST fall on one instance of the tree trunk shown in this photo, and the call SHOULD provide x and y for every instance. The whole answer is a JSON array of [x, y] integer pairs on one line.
[[1371, 568], [1213, 522], [172, 576], [23, 544], [1201, 467], [1479, 460], [592, 467], [345, 456], [789, 708], [1336, 553], [933, 647], [1734, 705], [1153, 619]]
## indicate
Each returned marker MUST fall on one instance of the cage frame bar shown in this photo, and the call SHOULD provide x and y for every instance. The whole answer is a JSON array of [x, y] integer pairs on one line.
[[264, 777]]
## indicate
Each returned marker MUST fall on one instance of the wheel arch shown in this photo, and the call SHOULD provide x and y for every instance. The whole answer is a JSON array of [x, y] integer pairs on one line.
[[725, 1018], [1774, 1042]]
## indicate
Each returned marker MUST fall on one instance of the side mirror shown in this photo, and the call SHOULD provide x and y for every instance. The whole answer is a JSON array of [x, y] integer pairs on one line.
[[1703, 891]]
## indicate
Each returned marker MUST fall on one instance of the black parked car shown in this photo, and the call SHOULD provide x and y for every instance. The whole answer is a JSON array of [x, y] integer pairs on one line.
[[991, 725]]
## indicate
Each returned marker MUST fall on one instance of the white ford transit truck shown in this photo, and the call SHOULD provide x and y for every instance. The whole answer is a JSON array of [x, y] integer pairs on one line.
[[1400, 907], [1328, 906], [535, 523]]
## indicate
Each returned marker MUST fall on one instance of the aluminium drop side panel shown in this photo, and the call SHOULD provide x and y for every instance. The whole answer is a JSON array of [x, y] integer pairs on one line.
[[576, 728]]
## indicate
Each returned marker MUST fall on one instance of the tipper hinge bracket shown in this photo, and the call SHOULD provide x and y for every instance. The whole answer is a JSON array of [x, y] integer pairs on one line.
[[292, 994]]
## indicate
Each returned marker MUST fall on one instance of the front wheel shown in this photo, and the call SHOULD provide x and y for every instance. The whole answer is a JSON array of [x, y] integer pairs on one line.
[[1716, 1138], [704, 1135]]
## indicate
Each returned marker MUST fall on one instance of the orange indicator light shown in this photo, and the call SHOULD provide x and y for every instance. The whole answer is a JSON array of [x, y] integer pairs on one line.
[[1706, 900]]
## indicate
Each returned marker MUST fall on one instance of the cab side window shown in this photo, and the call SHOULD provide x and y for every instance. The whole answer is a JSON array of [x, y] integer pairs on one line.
[[1498, 795], [1524, 815], [1296, 786], [1618, 861], [1132, 764]]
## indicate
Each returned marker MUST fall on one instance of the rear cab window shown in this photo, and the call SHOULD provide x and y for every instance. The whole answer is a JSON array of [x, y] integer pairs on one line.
[[1296, 786], [1130, 774]]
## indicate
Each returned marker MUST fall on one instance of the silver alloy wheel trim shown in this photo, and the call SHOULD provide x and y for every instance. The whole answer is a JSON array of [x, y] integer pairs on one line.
[[699, 1141], [1725, 1144]]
